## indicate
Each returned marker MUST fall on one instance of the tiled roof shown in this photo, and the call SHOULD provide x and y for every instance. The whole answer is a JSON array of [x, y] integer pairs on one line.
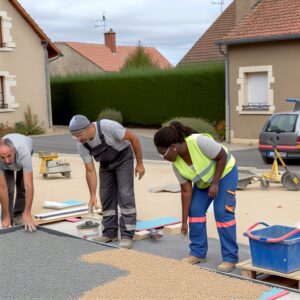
[[268, 20], [52, 49], [205, 48], [102, 56]]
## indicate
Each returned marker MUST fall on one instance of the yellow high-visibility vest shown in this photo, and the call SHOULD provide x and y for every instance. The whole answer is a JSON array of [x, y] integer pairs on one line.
[[204, 167]]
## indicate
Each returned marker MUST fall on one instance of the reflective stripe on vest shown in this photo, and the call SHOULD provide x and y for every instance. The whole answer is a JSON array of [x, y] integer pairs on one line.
[[204, 166]]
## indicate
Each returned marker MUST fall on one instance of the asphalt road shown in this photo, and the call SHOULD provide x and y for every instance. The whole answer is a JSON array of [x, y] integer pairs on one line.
[[65, 144]]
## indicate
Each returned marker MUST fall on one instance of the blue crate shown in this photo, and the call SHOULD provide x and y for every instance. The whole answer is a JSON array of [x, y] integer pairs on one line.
[[282, 256]]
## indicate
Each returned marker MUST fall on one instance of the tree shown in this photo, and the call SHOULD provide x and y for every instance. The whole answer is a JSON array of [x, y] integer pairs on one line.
[[139, 59]]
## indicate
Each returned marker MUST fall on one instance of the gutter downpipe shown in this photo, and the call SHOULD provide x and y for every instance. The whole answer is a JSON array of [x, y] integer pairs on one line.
[[48, 91], [227, 101]]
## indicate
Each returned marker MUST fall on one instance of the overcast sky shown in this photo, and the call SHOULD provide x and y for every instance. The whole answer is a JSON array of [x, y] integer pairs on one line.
[[172, 26]]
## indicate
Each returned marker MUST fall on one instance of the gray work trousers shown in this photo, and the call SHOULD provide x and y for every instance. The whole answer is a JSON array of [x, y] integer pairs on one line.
[[117, 188], [16, 204]]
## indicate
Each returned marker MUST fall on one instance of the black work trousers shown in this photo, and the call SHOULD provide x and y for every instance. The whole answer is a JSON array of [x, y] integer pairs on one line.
[[117, 189], [16, 204]]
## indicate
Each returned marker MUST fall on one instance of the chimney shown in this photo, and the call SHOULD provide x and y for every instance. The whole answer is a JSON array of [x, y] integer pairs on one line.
[[242, 7], [110, 40]]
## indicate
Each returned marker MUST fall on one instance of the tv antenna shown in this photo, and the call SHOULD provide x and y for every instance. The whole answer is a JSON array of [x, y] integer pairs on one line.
[[219, 2], [102, 22]]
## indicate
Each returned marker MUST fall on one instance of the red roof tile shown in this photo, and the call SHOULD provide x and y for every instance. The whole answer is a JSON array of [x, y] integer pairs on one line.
[[205, 48], [112, 62], [269, 19]]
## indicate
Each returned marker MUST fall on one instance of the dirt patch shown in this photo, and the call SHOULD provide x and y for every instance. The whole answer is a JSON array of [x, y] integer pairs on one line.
[[154, 277]]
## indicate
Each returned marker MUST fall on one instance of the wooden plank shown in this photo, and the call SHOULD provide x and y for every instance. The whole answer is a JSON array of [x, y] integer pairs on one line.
[[242, 263], [141, 235], [173, 229], [250, 271], [248, 274]]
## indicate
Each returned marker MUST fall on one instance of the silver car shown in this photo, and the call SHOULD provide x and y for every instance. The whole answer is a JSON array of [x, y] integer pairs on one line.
[[284, 129]]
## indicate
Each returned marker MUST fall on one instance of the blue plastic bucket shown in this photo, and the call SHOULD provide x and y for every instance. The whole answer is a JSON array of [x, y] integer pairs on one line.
[[270, 251]]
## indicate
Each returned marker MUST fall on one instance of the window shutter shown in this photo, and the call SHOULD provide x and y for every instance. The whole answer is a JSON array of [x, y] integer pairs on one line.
[[258, 88], [6, 25], [8, 81]]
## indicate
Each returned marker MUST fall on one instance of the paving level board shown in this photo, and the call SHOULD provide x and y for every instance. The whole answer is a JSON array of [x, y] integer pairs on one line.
[[249, 271]]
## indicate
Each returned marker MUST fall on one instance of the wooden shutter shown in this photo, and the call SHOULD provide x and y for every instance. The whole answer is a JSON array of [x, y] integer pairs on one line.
[[2, 100], [1, 38]]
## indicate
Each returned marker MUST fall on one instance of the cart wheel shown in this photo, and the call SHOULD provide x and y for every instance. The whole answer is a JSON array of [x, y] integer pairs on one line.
[[288, 183], [45, 175], [264, 184], [68, 175]]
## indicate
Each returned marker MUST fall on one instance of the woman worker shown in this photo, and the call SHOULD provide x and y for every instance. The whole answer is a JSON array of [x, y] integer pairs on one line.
[[207, 172]]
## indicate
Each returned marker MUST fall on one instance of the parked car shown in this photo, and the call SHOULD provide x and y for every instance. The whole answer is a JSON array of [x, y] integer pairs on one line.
[[284, 128]]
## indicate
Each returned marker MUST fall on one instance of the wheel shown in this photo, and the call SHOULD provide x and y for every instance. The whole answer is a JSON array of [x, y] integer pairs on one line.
[[68, 175], [264, 184], [288, 183], [267, 160], [45, 175]]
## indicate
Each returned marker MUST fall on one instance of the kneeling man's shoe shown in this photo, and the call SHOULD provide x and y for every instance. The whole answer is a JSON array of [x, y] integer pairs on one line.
[[193, 260], [226, 266], [125, 243], [104, 239]]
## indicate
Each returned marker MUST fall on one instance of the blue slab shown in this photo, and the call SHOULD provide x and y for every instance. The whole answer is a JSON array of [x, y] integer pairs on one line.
[[273, 292], [156, 223], [73, 202]]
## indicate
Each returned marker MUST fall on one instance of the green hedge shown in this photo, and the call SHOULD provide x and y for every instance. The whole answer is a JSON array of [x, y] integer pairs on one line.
[[145, 98]]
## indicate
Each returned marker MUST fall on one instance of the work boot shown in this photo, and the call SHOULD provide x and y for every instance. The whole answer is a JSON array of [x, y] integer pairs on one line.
[[104, 239], [125, 243], [226, 266], [192, 260]]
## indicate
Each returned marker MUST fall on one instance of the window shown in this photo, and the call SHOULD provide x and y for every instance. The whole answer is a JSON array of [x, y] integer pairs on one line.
[[282, 123], [2, 99], [7, 99], [255, 94], [6, 40]]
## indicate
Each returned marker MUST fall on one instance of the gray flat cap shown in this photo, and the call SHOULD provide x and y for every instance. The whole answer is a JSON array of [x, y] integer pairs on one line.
[[78, 123]]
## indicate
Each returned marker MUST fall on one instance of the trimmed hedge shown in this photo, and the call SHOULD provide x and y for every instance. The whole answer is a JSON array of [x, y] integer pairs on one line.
[[145, 98]]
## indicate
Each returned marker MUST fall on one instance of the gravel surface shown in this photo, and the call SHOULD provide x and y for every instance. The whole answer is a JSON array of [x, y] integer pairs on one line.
[[44, 266], [177, 247], [153, 277]]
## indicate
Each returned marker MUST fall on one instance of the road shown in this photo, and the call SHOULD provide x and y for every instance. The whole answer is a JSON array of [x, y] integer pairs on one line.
[[65, 144]]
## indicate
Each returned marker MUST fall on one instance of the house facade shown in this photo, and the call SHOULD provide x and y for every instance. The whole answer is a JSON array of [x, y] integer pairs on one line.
[[88, 58], [259, 40], [24, 54], [263, 65]]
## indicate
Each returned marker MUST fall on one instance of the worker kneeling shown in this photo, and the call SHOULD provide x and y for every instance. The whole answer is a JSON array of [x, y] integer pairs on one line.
[[207, 172], [109, 143]]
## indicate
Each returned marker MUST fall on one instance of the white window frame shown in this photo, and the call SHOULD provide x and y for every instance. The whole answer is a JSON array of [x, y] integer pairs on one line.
[[6, 26], [243, 92], [8, 82]]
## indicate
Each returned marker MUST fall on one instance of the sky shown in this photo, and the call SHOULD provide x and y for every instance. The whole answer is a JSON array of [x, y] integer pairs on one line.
[[172, 26]]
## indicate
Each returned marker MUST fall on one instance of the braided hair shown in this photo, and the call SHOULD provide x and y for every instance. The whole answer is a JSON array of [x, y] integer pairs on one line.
[[175, 133]]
